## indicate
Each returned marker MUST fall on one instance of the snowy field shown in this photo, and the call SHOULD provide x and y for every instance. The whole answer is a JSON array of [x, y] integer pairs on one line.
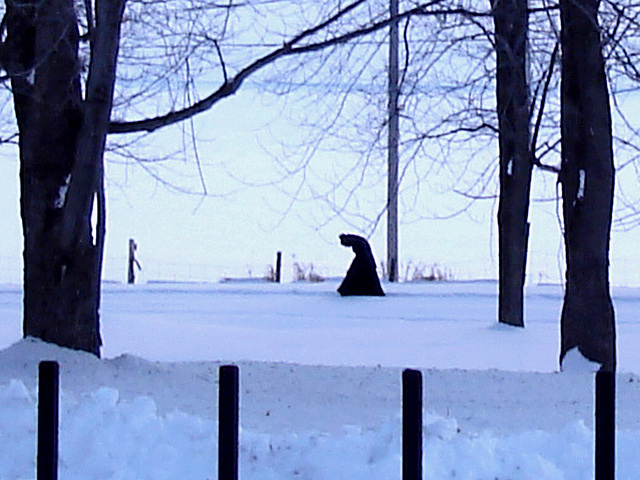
[[320, 384]]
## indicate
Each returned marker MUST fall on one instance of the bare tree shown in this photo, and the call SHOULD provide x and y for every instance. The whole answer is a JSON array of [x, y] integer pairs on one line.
[[513, 107], [64, 112], [63, 117], [62, 136], [587, 177]]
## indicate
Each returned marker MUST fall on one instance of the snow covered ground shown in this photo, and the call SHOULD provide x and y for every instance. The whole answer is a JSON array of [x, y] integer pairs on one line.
[[320, 384]]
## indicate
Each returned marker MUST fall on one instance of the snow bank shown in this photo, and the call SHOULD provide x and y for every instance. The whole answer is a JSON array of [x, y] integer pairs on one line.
[[104, 437], [315, 401]]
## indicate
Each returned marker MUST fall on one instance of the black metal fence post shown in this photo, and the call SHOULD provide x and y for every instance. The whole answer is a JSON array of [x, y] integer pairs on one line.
[[228, 423], [605, 425], [48, 403], [278, 266], [411, 425]]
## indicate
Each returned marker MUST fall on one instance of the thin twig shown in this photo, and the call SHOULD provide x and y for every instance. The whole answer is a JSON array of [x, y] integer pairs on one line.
[[222, 62], [536, 131]]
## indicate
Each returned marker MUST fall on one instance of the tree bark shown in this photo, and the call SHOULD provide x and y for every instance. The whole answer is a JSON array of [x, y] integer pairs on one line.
[[511, 26], [61, 147], [587, 177]]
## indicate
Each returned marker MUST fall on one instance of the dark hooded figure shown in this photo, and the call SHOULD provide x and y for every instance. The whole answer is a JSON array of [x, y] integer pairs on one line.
[[362, 277]]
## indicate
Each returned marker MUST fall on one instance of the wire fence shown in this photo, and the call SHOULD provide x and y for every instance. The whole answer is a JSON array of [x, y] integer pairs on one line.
[[542, 268], [11, 269]]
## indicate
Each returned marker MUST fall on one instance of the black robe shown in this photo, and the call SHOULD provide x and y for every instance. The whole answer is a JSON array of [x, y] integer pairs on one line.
[[362, 277]]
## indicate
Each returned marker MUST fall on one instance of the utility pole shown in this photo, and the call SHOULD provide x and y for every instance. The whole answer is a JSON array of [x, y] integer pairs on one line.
[[392, 146]]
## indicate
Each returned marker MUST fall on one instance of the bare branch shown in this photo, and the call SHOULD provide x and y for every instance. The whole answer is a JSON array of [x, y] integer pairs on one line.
[[290, 47], [229, 87], [536, 131], [222, 62], [475, 197]]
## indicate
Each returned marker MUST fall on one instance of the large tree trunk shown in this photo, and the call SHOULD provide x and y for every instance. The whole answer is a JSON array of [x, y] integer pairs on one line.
[[511, 25], [61, 147], [587, 178]]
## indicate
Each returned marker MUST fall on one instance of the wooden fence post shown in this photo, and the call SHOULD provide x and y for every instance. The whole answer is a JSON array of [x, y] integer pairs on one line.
[[228, 423], [605, 425], [411, 425], [133, 262], [48, 403]]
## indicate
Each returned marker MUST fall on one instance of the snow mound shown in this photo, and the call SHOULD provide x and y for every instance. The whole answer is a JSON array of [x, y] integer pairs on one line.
[[105, 437]]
